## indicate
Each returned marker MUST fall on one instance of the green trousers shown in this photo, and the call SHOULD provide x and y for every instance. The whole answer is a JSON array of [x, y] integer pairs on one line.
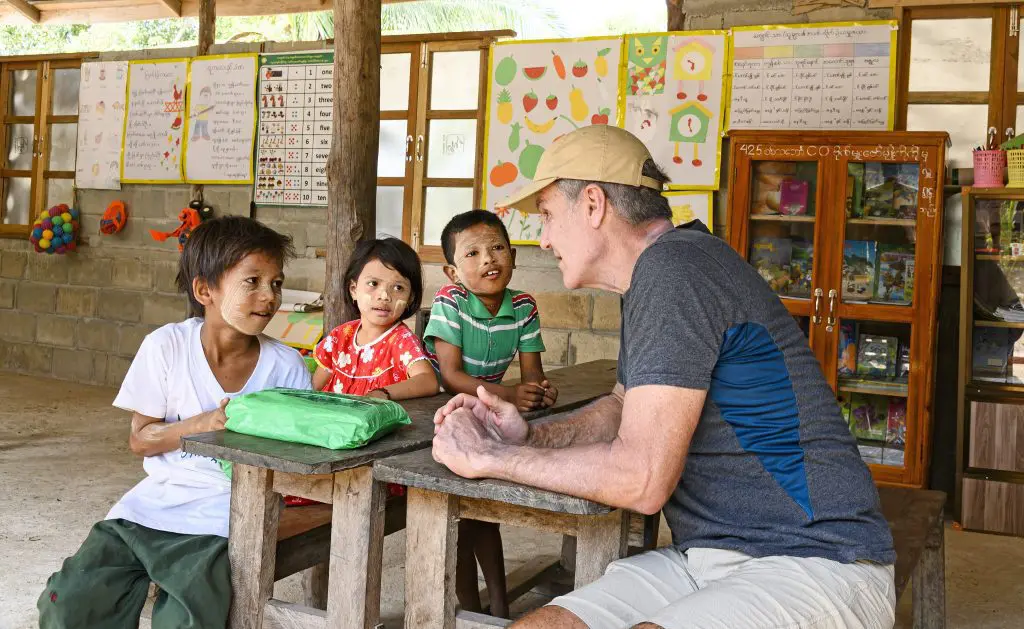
[[104, 585]]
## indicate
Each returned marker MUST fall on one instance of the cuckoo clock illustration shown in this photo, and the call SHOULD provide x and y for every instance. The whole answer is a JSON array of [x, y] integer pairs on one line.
[[689, 124], [692, 61]]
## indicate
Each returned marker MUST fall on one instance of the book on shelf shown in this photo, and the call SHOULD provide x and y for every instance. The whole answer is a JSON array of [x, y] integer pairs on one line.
[[896, 428], [877, 356], [858, 270], [991, 350], [879, 189], [772, 257], [767, 188], [854, 190], [800, 268], [847, 348], [904, 202], [793, 197], [895, 281], [869, 416]]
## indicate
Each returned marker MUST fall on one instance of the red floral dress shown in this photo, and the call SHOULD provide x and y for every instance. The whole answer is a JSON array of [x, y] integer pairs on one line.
[[358, 369]]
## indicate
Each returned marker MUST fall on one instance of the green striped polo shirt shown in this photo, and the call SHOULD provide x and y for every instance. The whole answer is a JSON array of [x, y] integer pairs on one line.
[[489, 342]]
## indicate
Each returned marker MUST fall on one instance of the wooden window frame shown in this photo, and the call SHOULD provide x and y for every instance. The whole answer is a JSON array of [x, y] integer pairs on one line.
[[41, 121], [1001, 97], [434, 253]]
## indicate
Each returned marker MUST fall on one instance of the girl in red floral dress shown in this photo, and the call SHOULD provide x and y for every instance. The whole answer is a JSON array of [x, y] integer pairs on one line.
[[377, 355]]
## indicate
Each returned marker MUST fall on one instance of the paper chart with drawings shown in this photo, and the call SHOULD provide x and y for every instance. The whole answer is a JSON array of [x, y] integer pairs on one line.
[[101, 109], [222, 119], [814, 76], [688, 205], [537, 92], [156, 121], [674, 97]]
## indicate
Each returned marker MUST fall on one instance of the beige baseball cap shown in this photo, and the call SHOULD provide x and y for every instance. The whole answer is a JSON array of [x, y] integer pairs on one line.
[[595, 153]]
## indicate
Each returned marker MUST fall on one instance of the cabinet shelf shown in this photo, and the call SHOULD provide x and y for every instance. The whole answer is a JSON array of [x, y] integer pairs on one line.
[[1014, 325], [889, 389], [782, 218], [897, 222], [997, 257]]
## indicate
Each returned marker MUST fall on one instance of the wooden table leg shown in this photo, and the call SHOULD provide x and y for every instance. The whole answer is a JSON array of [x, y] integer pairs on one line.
[[431, 535], [357, 548], [928, 582], [600, 540], [252, 544], [314, 585]]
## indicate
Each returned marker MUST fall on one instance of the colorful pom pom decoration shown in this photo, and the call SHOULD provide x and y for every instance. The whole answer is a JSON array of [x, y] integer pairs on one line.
[[55, 230]]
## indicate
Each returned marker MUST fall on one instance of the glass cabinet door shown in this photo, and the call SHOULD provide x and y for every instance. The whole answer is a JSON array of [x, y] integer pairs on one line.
[[783, 213], [870, 311]]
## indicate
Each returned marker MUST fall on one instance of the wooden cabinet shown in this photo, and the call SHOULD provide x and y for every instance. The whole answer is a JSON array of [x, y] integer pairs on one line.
[[990, 435], [847, 229]]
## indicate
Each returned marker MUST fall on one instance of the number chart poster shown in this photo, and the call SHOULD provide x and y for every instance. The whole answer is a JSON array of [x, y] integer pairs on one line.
[[101, 106], [537, 92], [222, 119], [819, 76], [295, 98], [155, 121], [674, 93]]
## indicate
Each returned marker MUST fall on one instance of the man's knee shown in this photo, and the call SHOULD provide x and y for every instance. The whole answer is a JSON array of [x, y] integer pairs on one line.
[[550, 617], [647, 625]]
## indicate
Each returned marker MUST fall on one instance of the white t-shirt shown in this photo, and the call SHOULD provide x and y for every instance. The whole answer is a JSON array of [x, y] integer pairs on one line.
[[170, 378]]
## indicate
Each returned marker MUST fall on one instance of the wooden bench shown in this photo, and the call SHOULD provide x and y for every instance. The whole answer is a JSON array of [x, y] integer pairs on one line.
[[915, 519]]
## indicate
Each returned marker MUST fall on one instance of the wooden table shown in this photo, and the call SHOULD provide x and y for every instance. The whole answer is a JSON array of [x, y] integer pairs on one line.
[[918, 534], [265, 468], [438, 498]]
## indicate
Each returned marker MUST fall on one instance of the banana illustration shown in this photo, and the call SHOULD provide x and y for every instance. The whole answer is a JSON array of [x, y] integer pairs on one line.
[[539, 128]]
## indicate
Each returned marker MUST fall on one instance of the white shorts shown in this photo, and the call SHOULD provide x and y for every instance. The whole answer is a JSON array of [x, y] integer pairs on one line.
[[722, 589]]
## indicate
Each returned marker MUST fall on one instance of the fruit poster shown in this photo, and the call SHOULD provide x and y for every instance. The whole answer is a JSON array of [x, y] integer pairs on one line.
[[537, 92], [155, 122], [221, 105], [674, 90], [687, 206], [101, 106]]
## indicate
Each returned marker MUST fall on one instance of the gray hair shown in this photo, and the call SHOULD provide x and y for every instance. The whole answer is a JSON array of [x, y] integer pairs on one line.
[[634, 204]]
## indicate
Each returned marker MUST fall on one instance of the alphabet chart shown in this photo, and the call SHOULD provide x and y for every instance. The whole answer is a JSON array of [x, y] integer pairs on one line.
[[295, 101]]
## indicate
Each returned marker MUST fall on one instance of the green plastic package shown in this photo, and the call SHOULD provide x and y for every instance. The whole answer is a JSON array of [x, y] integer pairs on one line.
[[316, 418]]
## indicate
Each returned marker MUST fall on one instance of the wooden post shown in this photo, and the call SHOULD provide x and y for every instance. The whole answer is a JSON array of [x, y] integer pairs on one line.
[[676, 15], [207, 35], [352, 164]]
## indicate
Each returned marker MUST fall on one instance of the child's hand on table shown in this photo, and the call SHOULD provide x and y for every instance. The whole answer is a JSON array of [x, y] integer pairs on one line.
[[213, 420]]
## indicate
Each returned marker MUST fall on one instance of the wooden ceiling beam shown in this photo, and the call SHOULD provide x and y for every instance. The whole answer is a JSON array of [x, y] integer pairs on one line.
[[26, 9], [174, 6]]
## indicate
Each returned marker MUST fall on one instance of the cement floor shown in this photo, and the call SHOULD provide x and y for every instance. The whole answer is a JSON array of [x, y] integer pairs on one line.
[[64, 460]]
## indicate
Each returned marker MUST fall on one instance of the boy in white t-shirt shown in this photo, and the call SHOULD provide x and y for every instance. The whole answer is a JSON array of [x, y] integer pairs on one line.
[[172, 527]]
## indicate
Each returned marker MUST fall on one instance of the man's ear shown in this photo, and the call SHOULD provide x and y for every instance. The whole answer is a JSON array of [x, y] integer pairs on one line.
[[201, 291], [451, 273], [595, 204]]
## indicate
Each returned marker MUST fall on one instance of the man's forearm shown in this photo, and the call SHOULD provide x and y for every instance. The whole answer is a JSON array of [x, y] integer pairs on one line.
[[603, 472], [597, 422]]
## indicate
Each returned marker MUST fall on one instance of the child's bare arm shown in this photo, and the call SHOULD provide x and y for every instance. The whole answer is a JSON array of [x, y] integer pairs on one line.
[[532, 371], [422, 382], [151, 436], [526, 396], [320, 378]]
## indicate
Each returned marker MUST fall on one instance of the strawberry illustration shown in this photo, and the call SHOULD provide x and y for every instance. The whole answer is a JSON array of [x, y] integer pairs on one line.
[[579, 69], [529, 101], [551, 101]]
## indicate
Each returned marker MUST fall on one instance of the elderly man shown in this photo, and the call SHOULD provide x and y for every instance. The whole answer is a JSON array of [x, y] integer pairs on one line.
[[721, 418]]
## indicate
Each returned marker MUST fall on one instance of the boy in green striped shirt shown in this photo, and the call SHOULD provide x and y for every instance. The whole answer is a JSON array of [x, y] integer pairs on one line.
[[477, 325]]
